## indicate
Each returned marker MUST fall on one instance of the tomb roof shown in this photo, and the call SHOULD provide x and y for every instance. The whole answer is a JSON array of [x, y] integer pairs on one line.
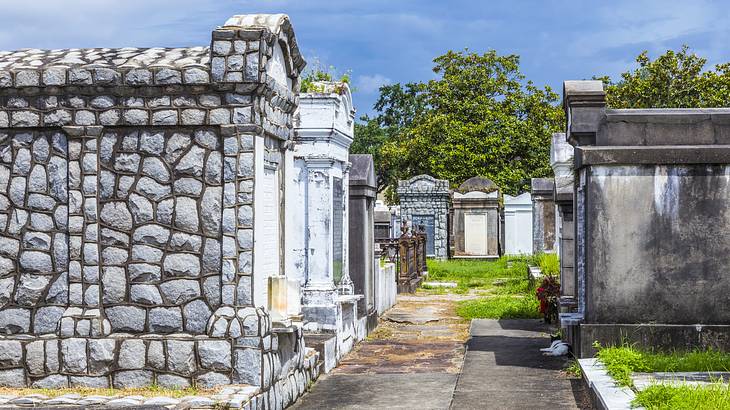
[[480, 184]]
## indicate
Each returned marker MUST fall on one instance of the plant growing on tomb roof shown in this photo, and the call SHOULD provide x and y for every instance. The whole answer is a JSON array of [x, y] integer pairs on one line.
[[317, 73]]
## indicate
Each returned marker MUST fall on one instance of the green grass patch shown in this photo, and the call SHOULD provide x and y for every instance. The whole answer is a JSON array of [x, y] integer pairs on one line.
[[622, 361], [676, 397], [500, 307], [475, 274], [508, 294], [549, 263]]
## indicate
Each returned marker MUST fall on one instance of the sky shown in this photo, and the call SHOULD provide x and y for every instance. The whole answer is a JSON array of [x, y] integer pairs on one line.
[[391, 41]]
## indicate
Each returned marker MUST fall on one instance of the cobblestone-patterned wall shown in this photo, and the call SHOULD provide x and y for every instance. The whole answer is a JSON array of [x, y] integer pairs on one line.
[[126, 213], [424, 195]]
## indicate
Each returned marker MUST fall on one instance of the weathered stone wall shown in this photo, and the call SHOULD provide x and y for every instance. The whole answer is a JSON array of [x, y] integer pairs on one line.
[[424, 196], [127, 212]]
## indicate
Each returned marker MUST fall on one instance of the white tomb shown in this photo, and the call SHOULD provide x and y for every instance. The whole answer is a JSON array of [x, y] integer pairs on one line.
[[316, 221], [518, 224]]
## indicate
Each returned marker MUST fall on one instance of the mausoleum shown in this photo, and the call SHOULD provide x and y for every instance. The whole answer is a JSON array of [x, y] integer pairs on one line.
[[317, 227], [476, 219], [518, 224], [561, 160], [543, 215], [141, 213], [651, 214], [424, 202]]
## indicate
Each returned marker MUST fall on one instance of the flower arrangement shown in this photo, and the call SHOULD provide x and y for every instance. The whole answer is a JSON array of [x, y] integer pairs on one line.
[[548, 293]]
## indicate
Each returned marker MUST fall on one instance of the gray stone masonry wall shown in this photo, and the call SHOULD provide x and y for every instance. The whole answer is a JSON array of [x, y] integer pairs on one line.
[[126, 213], [425, 195], [652, 212]]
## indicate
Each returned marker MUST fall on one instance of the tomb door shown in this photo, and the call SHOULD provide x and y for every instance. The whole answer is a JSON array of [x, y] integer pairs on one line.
[[427, 221], [475, 233]]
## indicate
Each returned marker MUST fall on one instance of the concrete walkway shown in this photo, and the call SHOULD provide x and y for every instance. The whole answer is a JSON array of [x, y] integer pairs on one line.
[[422, 365], [504, 369]]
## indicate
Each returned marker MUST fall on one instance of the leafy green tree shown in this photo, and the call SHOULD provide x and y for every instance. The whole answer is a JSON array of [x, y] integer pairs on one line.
[[479, 118], [397, 106], [675, 79]]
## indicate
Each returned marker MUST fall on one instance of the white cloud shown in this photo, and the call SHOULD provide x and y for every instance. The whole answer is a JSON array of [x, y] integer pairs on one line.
[[370, 84]]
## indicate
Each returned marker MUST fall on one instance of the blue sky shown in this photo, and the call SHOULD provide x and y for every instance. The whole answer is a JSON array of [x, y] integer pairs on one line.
[[386, 41]]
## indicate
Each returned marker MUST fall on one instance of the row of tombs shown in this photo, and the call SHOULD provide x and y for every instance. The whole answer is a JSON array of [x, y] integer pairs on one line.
[[638, 211], [474, 220], [182, 217]]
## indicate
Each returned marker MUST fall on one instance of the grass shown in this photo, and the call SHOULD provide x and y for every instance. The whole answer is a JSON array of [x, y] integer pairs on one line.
[[548, 263], [151, 391], [474, 274], [686, 397], [574, 369], [503, 284], [622, 361], [500, 307]]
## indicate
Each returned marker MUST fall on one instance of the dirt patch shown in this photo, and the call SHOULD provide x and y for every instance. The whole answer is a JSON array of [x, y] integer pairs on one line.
[[420, 334]]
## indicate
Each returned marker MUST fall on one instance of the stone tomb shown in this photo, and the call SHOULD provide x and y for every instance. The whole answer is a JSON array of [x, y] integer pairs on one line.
[[317, 228], [383, 222], [476, 219], [651, 214], [543, 215], [424, 201], [561, 160], [362, 236], [518, 224], [129, 251]]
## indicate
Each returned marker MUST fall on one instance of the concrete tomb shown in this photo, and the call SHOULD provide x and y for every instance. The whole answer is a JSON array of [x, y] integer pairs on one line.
[[518, 224], [561, 160], [651, 212], [140, 198], [318, 227], [476, 219], [383, 222], [362, 236], [424, 201], [543, 215]]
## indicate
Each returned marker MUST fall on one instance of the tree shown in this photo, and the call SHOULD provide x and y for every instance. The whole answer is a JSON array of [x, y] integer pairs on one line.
[[397, 106], [672, 80], [478, 119]]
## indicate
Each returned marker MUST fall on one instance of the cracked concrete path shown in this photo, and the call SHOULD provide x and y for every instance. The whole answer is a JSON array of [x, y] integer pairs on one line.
[[411, 361], [417, 361], [504, 369]]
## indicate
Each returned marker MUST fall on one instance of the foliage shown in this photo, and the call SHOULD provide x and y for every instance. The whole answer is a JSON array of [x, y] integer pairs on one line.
[[478, 118], [499, 307], [574, 369], [397, 106], [675, 79], [684, 397], [621, 361], [549, 263], [316, 72]]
